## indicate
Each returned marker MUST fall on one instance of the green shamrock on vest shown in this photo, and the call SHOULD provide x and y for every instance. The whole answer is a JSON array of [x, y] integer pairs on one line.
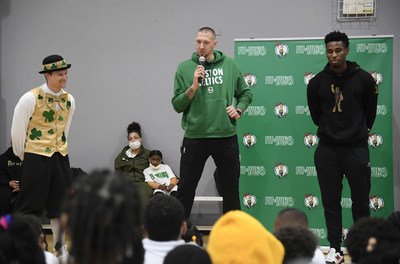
[[47, 150], [50, 100], [63, 138], [51, 131], [68, 104], [40, 97], [63, 100], [35, 134], [49, 116], [60, 118]]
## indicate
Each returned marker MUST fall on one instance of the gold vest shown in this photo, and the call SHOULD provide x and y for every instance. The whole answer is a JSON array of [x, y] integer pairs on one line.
[[45, 134]]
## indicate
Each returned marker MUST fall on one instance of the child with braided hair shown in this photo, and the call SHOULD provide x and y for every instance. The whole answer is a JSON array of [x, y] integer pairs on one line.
[[103, 218], [18, 241]]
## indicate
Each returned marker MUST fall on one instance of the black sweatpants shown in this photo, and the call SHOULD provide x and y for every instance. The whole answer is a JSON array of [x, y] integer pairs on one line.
[[7, 200], [44, 182], [332, 164], [194, 154]]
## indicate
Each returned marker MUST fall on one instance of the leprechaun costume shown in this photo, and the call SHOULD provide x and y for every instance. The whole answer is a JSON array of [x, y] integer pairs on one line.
[[39, 132]]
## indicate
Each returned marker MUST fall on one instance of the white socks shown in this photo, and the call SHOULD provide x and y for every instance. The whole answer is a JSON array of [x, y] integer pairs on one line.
[[57, 235]]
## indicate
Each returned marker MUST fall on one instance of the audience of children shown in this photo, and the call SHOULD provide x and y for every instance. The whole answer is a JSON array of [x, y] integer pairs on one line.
[[103, 219], [160, 176], [239, 238], [299, 242], [192, 234], [36, 226], [164, 224], [18, 241], [292, 217], [373, 241], [187, 254]]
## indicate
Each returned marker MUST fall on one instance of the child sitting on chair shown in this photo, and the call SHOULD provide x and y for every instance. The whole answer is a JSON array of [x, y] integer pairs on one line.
[[160, 176]]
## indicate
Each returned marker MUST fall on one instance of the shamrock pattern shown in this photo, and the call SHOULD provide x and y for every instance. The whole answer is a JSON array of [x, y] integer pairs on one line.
[[40, 97], [60, 118], [63, 138], [35, 134], [47, 150], [51, 131], [50, 100], [63, 100], [68, 104], [49, 116]]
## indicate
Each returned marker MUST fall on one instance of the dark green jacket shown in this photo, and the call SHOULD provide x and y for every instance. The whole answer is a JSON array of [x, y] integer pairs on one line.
[[132, 168]]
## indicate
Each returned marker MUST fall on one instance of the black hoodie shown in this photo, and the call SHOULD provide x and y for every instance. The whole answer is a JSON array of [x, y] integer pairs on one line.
[[343, 105], [10, 167]]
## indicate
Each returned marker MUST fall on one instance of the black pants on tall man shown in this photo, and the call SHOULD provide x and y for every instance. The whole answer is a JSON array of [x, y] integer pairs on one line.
[[332, 163], [194, 154]]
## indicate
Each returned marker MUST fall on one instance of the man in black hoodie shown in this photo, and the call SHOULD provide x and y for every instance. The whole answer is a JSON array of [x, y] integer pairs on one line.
[[10, 167], [342, 100]]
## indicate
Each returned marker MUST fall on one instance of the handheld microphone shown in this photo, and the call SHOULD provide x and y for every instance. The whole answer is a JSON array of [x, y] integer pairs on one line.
[[202, 61]]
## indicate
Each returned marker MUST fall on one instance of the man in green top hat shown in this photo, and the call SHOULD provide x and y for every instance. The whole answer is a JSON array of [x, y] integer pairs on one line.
[[39, 132]]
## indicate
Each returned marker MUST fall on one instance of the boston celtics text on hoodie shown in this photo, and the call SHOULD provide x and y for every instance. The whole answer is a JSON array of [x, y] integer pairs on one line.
[[205, 115]]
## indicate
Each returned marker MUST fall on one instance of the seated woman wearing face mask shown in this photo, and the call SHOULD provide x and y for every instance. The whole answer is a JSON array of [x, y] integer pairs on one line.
[[132, 160]]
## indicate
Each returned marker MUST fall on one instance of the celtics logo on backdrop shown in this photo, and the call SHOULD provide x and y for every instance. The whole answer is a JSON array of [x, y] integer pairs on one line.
[[345, 231], [308, 76], [378, 77], [310, 140], [375, 140], [281, 170], [376, 202], [249, 200], [249, 140], [281, 110], [250, 79], [281, 50], [311, 201]]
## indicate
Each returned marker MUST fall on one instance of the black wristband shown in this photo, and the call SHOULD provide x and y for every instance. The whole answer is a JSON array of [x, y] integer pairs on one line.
[[239, 113]]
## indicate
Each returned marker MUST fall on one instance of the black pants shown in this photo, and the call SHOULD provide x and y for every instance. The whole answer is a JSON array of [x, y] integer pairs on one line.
[[44, 182], [332, 164], [7, 200], [194, 154]]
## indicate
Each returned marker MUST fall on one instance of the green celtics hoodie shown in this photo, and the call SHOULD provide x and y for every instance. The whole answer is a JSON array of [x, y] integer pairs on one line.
[[205, 115]]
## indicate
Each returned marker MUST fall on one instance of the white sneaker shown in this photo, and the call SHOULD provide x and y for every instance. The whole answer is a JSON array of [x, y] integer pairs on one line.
[[334, 257], [63, 258]]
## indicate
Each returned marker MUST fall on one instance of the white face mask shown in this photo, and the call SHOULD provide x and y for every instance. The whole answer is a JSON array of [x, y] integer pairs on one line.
[[134, 145], [155, 167]]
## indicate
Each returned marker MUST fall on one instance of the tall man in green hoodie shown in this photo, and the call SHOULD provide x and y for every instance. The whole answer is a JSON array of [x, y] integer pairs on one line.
[[342, 99], [209, 119]]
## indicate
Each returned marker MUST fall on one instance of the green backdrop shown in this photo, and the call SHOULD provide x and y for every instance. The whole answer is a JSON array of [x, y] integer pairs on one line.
[[277, 137]]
